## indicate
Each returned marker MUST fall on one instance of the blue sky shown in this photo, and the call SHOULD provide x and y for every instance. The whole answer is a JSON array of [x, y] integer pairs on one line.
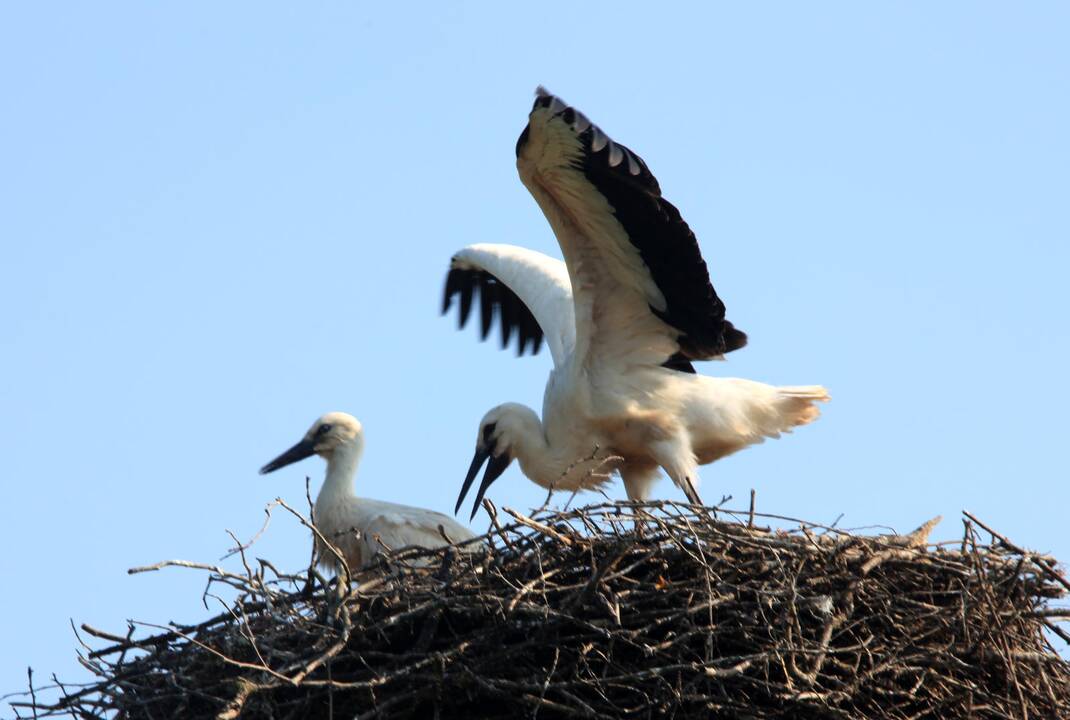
[[219, 221]]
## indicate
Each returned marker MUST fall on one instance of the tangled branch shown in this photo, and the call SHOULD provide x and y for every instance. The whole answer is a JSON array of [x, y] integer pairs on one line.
[[613, 610]]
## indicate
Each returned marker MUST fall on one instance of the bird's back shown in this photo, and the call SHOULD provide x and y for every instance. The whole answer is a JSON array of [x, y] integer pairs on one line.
[[361, 528]]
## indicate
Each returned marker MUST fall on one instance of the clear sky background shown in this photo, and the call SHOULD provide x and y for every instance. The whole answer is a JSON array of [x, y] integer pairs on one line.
[[218, 221]]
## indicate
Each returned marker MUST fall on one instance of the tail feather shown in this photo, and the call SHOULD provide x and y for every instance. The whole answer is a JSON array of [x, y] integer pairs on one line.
[[795, 405], [809, 392], [732, 413]]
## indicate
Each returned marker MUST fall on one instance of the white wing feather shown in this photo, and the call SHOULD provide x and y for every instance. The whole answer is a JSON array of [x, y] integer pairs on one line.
[[540, 281], [613, 288], [642, 290], [391, 526]]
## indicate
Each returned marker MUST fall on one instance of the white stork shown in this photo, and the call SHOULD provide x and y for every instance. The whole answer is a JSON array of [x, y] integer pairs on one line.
[[360, 528], [625, 315]]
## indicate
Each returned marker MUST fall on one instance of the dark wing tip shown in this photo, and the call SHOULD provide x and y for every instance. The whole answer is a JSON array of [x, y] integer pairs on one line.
[[459, 283], [680, 363], [704, 338], [597, 145], [494, 298], [734, 339], [452, 286], [545, 98], [654, 226]]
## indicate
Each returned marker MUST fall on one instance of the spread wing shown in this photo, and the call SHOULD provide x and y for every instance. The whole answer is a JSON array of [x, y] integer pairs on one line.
[[530, 293], [642, 290]]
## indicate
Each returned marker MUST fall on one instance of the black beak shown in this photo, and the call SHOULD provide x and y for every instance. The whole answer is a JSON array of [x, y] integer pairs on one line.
[[300, 451], [495, 468], [477, 462]]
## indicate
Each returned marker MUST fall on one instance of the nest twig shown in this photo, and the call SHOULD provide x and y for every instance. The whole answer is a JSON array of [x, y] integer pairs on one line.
[[613, 610]]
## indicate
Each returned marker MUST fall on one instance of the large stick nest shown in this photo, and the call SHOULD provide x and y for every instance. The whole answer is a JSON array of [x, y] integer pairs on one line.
[[614, 610]]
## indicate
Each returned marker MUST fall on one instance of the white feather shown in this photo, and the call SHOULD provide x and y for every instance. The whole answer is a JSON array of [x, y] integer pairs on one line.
[[611, 405], [361, 528]]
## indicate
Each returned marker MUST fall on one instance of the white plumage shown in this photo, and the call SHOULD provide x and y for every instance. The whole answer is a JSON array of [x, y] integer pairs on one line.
[[360, 528], [624, 315]]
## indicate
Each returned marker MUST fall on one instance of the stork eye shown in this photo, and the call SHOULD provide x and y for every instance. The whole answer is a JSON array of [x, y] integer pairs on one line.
[[323, 430]]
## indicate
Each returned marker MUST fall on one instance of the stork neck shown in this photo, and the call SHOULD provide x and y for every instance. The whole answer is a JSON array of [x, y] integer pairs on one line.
[[540, 461], [576, 463], [341, 469]]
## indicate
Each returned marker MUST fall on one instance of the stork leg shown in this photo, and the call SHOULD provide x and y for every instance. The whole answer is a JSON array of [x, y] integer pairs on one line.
[[674, 455], [638, 479], [692, 494]]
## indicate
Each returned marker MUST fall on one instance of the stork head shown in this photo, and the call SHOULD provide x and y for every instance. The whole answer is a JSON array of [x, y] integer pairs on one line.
[[334, 432], [500, 431]]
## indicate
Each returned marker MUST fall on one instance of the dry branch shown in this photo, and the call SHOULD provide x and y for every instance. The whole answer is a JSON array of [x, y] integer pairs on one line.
[[614, 610]]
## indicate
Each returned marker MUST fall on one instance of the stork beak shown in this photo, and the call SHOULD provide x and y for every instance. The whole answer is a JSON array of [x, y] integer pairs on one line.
[[300, 451], [477, 462], [495, 468]]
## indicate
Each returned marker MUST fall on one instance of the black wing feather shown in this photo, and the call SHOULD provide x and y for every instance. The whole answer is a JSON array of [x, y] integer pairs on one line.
[[508, 322], [488, 296], [467, 290], [494, 297], [679, 363], [664, 241]]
